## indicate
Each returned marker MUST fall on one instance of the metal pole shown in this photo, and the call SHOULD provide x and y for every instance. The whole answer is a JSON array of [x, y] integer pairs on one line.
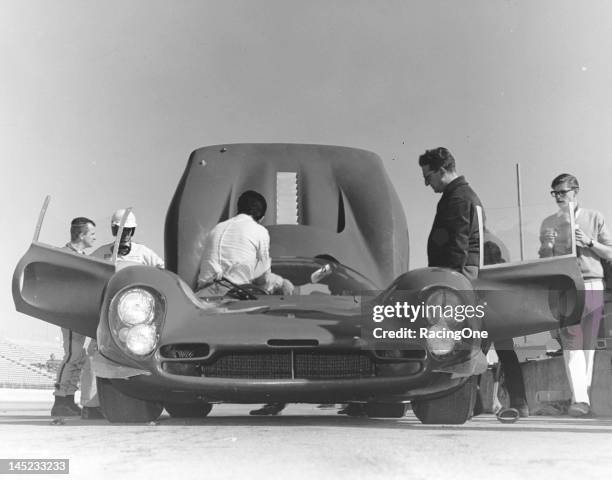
[[520, 209]]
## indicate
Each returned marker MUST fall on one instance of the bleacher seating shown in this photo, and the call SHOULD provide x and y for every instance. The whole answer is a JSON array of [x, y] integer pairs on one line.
[[25, 365]]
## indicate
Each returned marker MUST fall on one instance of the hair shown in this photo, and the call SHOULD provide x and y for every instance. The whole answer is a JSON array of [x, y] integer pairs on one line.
[[253, 204], [492, 253], [438, 158], [572, 182], [78, 226]]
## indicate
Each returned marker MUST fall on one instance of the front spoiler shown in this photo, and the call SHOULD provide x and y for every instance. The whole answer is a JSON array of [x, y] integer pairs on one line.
[[159, 385]]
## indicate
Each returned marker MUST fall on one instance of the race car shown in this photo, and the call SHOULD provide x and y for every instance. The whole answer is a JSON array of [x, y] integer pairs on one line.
[[347, 336]]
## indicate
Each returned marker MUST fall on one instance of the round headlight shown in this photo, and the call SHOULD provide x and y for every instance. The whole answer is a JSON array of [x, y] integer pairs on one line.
[[140, 339], [440, 305], [441, 340], [136, 306], [123, 334]]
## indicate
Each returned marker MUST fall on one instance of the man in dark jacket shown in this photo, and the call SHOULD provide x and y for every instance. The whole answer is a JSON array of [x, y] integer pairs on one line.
[[454, 240]]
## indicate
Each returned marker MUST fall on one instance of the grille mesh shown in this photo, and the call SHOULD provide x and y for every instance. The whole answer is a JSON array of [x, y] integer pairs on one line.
[[250, 365], [306, 365]]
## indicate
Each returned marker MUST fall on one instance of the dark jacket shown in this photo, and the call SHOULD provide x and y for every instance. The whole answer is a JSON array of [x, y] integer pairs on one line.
[[454, 240]]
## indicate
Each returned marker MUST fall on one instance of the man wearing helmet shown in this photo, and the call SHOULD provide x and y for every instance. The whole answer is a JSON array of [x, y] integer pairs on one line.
[[129, 251]]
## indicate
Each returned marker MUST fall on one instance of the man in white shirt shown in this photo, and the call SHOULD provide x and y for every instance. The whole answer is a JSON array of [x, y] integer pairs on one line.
[[238, 250], [130, 253]]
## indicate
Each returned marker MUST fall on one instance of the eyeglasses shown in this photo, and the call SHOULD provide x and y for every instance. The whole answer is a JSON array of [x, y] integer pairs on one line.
[[429, 175], [560, 193]]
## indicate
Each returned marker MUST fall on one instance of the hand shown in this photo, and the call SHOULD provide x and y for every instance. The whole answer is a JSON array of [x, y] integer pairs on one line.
[[550, 235], [287, 287], [581, 238]]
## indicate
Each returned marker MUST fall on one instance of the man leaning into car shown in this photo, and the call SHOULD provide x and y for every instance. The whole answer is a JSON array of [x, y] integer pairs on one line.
[[454, 240], [238, 250]]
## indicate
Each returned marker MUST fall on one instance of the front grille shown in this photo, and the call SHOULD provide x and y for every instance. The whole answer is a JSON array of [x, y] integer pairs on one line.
[[284, 364], [250, 365], [185, 350], [332, 365]]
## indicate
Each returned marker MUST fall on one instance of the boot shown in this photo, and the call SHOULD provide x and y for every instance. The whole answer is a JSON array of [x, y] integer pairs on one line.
[[64, 406]]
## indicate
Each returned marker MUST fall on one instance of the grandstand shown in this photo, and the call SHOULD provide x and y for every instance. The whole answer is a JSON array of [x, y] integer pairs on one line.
[[27, 364]]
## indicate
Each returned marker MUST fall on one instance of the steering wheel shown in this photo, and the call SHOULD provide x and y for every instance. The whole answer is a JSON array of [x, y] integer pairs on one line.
[[242, 292]]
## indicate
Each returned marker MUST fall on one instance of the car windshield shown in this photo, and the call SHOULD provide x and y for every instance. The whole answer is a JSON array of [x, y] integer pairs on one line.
[[321, 275], [535, 232]]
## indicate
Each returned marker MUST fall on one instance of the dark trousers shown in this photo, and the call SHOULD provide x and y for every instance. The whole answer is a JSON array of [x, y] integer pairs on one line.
[[513, 374]]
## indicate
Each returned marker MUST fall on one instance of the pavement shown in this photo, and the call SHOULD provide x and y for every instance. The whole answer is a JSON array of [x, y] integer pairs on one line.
[[305, 442]]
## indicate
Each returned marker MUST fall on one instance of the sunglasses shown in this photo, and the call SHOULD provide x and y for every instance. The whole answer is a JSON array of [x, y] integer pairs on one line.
[[560, 193], [429, 175]]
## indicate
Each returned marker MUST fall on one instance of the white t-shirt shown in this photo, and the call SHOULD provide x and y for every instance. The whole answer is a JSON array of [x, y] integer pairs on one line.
[[237, 249], [139, 254]]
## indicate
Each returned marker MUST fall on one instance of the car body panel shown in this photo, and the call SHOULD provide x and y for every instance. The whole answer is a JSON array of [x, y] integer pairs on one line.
[[529, 297], [61, 287], [362, 226]]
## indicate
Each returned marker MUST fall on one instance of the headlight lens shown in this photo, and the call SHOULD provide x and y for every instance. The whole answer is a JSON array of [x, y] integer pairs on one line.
[[136, 315], [441, 342], [439, 302], [440, 306], [136, 306], [141, 339]]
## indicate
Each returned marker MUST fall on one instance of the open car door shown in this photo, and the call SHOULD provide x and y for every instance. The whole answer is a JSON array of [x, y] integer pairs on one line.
[[521, 298], [61, 287]]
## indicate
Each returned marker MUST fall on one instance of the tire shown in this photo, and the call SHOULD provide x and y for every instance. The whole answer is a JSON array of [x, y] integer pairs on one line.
[[188, 410], [385, 410], [452, 409], [121, 408]]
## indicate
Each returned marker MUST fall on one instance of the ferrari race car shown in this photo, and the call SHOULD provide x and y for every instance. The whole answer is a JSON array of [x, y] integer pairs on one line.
[[360, 328]]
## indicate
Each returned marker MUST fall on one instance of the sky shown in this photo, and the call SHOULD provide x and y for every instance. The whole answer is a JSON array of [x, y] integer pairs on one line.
[[102, 103]]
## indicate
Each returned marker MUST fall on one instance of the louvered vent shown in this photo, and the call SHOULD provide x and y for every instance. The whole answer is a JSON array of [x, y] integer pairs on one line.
[[287, 202]]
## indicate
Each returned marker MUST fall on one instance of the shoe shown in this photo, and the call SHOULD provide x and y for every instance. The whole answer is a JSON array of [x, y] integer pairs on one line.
[[523, 410], [508, 415], [92, 413], [65, 407], [354, 410], [580, 409], [269, 409]]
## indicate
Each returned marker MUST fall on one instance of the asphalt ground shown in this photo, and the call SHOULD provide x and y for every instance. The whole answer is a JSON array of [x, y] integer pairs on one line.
[[307, 442]]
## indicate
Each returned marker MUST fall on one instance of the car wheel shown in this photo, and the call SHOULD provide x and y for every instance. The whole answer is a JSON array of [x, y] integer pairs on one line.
[[186, 410], [454, 408], [385, 410], [121, 408]]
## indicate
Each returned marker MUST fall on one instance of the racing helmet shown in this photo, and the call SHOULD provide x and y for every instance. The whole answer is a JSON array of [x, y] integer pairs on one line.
[[130, 221]]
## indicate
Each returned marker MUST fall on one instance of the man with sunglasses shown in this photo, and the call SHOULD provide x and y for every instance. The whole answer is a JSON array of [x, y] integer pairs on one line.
[[454, 240], [594, 244], [129, 253]]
